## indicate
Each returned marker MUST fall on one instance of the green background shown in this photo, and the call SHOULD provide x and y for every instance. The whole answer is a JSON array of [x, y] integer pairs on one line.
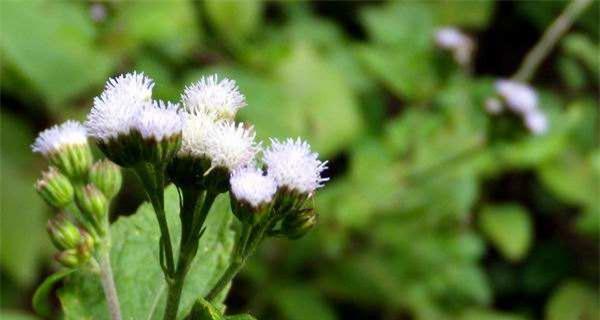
[[435, 209]]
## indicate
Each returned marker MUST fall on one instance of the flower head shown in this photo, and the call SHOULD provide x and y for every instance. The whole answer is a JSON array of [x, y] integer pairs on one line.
[[195, 134], [158, 120], [249, 184], [115, 109], [60, 136], [218, 98], [518, 96], [294, 166], [536, 122], [230, 145], [452, 39]]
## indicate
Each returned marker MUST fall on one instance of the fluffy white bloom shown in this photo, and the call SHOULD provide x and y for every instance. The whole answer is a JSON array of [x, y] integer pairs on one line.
[[292, 164], [220, 98], [536, 122], [115, 109], [195, 135], [518, 96], [250, 185], [452, 39], [158, 120], [230, 145], [59, 136]]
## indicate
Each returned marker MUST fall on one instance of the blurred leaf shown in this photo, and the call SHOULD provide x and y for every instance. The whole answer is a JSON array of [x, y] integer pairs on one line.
[[16, 315], [140, 282], [509, 228], [51, 46], [303, 302], [585, 50], [468, 14], [573, 300], [42, 294], [20, 207], [235, 21], [483, 314], [571, 178]]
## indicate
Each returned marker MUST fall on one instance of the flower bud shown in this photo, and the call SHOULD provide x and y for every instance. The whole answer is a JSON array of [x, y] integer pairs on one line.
[[68, 258], [107, 177], [55, 188], [160, 127], [299, 223], [63, 233], [92, 202], [86, 246]]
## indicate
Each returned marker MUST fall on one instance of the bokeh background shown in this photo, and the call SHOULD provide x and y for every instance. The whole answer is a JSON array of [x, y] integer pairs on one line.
[[435, 208]]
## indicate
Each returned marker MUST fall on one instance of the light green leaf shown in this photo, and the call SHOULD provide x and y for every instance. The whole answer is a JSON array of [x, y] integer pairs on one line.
[[51, 47], [140, 283], [16, 315], [22, 213], [303, 302], [509, 228], [40, 298], [573, 301], [234, 20]]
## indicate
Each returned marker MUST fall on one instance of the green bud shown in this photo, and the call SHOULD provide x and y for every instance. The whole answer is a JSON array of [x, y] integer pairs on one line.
[[298, 223], [68, 258], [55, 188], [63, 233], [92, 202], [107, 177], [72, 160], [86, 246]]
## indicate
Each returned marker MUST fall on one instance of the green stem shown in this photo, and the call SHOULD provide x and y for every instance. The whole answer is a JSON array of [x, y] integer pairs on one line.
[[549, 39], [154, 185], [188, 247], [233, 269], [108, 284]]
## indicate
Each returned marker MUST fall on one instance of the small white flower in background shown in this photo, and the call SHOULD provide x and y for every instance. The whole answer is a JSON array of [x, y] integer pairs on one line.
[[98, 12], [536, 122], [518, 96], [249, 184], [56, 138], [158, 120], [116, 108], [493, 106], [220, 98], [460, 44], [293, 165], [230, 145]]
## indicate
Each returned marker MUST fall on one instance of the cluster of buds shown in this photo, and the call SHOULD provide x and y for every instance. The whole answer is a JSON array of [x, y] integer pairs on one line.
[[73, 183], [521, 100]]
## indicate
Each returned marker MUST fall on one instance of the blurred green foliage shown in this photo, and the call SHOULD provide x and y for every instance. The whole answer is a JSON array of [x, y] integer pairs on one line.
[[435, 210]]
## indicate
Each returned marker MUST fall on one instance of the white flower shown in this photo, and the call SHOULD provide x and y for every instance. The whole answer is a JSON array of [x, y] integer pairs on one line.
[[195, 135], [230, 145], [158, 120], [452, 39], [536, 122], [250, 185], [222, 99], [293, 165], [518, 96], [115, 109], [57, 137]]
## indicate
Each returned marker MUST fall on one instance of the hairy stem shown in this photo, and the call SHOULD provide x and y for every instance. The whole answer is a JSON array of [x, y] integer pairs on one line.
[[108, 284], [549, 39]]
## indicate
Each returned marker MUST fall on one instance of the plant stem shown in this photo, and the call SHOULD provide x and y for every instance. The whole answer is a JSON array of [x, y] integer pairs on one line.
[[188, 248], [108, 284], [549, 39], [153, 180]]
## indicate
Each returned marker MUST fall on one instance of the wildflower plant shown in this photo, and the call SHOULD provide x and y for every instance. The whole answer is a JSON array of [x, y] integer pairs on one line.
[[200, 148]]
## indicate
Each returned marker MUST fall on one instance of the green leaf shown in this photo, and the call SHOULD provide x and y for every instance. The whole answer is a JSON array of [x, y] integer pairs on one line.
[[203, 310], [303, 302], [40, 298], [509, 228], [483, 314], [234, 20], [16, 315], [572, 301], [469, 14], [20, 207], [140, 283], [240, 317], [51, 47]]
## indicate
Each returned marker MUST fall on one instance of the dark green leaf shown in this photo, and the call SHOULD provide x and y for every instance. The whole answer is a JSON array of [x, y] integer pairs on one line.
[[41, 296]]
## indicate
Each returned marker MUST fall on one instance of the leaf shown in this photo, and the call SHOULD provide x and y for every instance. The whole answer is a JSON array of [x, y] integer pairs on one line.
[[572, 301], [303, 302], [509, 228], [15, 315], [51, 47], [140, 283], [203, 310], [20, 207], [483, 314], [235, 20], [40, 297], [468, 14]]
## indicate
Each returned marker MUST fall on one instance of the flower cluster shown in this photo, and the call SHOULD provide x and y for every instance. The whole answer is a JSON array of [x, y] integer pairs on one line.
[[522, 100]]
